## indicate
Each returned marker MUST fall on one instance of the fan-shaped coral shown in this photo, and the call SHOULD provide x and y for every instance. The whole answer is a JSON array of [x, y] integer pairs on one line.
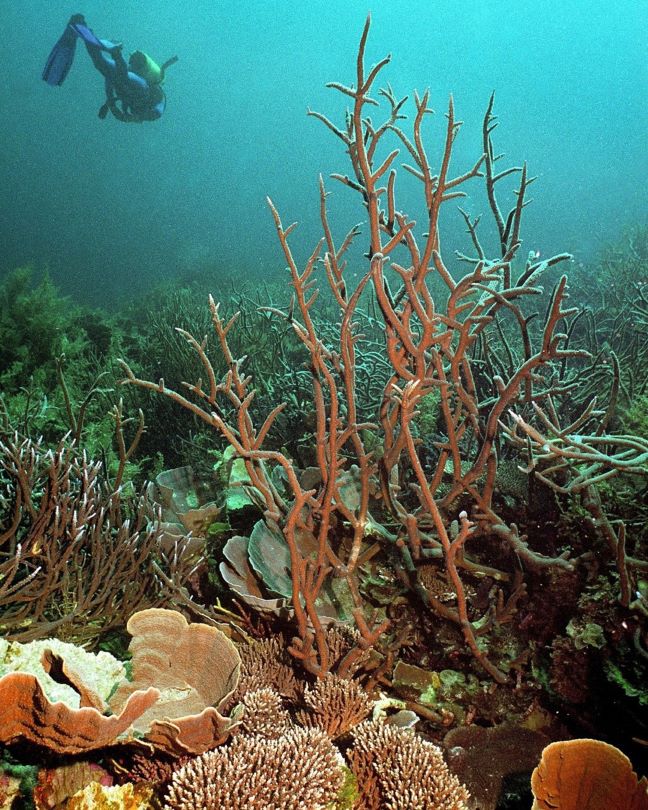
[[195, 667], [587, 775], [25, 712]]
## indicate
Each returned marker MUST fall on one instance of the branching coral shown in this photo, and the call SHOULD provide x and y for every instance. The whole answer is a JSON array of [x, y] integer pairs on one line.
[[335, 705], [397, 770], [475, 346], [76, 558], [265, 663], [264, 714], [300, 770]]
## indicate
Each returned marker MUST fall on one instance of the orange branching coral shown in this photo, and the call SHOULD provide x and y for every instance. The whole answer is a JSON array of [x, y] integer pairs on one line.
[[397, 770], [301, 770], [195, 667], [587, 775], [335, 705], [26, 712], [264, 714]]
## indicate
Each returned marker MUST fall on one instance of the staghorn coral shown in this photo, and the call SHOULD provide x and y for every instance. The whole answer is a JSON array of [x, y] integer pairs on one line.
[[264, 714], [587, 775], [335, 705], [397, 770], [301, 770]]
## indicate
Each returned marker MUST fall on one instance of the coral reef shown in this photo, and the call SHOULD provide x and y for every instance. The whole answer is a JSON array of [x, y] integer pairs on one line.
[[26, 713], [334, 705], [194, 668], [468, 361], [412, 496]]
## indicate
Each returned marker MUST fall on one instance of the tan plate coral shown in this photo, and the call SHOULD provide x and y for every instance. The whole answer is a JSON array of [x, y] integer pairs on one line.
[[195, 667], [182, 674]]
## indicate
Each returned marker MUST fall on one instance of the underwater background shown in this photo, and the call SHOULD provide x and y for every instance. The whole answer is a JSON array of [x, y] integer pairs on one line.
[[111, 209], [369, 525]]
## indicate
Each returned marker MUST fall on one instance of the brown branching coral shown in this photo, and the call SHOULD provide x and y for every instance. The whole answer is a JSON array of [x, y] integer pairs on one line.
[[76, 559], [335, 705], [482, 350], [139, 764], [398, 770], [301, 770], [266, 663]]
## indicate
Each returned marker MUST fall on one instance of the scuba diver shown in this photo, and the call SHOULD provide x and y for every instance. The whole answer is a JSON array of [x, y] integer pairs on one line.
[[133, 91]]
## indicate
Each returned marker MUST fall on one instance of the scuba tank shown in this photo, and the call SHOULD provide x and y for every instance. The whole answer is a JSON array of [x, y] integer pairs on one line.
[[142, 64]]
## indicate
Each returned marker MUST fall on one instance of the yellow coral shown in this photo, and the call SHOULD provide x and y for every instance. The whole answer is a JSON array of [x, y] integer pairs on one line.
[[118, 797]]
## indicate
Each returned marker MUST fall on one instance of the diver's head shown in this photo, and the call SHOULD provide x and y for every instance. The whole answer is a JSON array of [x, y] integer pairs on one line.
[[144, 66]]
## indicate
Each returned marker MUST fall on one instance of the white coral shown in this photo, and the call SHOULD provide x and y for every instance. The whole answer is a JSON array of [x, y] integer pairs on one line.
[[99, 672]]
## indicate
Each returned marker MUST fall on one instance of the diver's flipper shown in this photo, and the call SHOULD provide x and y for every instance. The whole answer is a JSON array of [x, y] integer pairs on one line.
[[61, 58], [88, 36]]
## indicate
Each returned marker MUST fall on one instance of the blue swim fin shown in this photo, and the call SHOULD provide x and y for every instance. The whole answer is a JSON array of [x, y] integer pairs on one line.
[[61, 58]]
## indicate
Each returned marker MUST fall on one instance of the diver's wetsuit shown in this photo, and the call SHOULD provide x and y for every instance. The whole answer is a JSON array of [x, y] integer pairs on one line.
[[128, 96]]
